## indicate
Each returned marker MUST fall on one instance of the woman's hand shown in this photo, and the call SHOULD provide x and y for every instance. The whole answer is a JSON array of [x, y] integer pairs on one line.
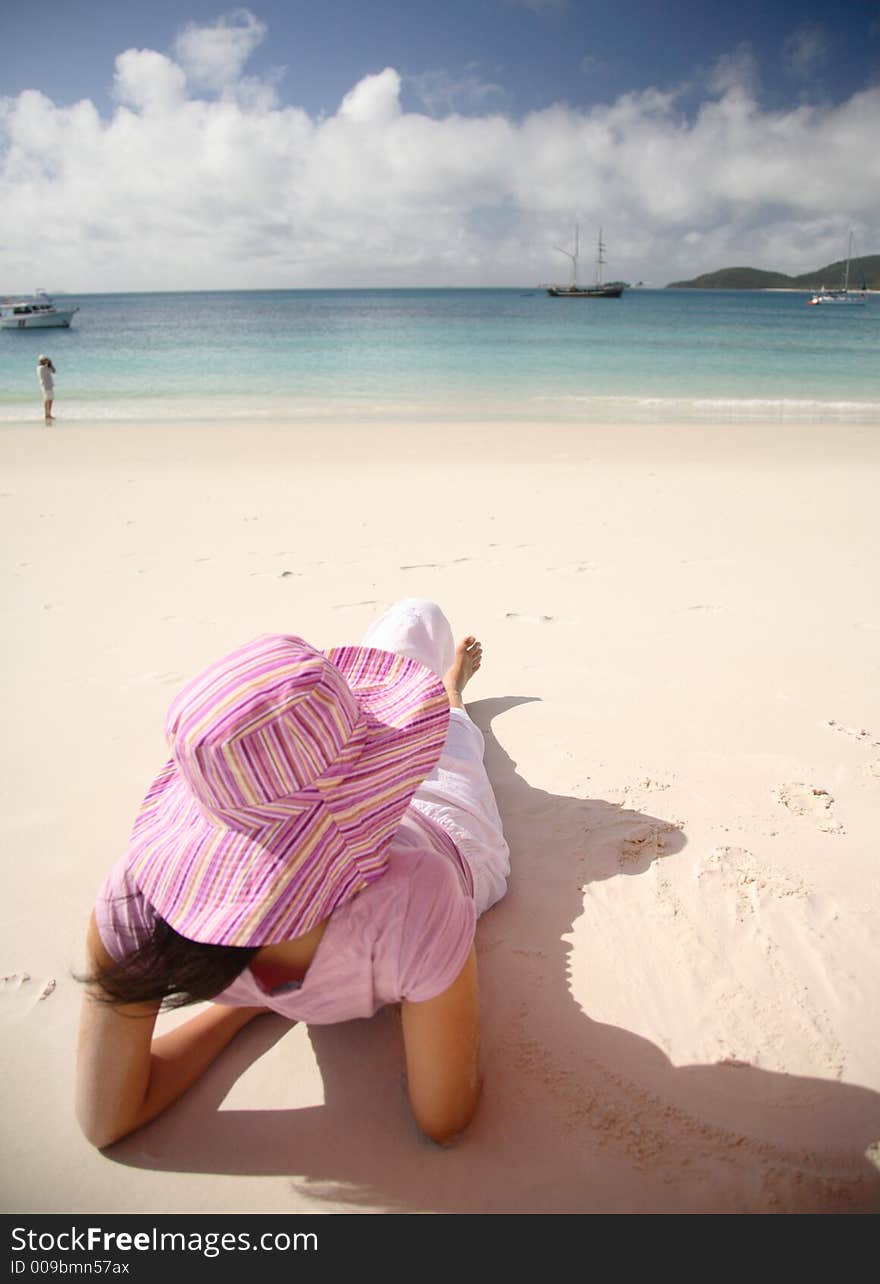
[[125, 1077], [442, 1041]]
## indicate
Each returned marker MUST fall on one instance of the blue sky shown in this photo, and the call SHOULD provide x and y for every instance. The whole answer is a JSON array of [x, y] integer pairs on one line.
[[302, 144], [526, 55]]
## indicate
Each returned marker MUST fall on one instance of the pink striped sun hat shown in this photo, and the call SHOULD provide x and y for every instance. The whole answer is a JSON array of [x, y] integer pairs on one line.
[[291, 769]]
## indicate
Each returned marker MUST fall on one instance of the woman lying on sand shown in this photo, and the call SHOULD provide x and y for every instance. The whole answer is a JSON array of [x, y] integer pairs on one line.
[[320, 844]]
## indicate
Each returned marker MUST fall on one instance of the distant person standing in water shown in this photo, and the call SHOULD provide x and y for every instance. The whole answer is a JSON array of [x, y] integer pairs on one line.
[[46, 376]]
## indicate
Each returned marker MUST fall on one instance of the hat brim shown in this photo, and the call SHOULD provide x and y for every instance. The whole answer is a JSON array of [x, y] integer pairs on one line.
[[260, 884]]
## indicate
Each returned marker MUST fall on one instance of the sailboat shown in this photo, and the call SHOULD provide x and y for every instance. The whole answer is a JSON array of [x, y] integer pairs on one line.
[[575, 291], [846, 295]]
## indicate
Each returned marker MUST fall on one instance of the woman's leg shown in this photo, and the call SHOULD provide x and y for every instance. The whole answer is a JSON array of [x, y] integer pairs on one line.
[[418, 629], [457, 795]]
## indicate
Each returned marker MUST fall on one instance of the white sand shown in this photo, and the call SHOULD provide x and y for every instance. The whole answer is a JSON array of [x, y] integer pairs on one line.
[[682, 707]]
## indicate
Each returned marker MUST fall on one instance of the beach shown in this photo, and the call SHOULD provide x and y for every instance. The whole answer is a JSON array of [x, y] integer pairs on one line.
[[681, 707]]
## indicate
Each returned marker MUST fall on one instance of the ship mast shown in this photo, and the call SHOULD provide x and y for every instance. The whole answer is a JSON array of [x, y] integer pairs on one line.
[[574, 257], [849, 250], [600, 259]]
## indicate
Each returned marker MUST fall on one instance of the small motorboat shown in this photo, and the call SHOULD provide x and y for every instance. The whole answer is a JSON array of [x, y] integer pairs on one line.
[[37, 312]]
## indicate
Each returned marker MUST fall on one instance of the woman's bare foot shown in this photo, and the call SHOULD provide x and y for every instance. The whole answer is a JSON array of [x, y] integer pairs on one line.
[[468, 658]]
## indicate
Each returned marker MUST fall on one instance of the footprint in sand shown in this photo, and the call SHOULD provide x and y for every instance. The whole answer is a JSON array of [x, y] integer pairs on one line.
[[756, 931], [749, 882], [574, 568], [529, 619], [275, 575], [433, 566], [647, 841], [812, 801], [20, 993], [857, 733], [864, 737], [635, 794]]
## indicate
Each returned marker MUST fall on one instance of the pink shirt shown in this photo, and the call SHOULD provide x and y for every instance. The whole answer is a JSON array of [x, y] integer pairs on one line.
[[406, 936]]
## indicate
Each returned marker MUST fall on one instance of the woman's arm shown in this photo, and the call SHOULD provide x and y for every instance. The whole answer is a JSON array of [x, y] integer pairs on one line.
[[442, 1042], [124, 1076]]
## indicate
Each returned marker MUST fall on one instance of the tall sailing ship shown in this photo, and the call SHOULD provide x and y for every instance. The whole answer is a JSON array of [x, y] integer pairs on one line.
[[598, 290]]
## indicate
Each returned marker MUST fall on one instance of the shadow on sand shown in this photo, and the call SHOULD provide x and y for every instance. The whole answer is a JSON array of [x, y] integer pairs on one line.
[[576, 1116]]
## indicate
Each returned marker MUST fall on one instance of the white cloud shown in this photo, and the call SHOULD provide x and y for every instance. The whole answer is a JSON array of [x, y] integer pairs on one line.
[[213, 56], [175, 190], [148, 80], [442, 92], [375, 100], [735, 73], [805, 51]]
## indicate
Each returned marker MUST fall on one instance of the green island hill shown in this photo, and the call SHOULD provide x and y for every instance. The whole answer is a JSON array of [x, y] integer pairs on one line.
[[864, 270]]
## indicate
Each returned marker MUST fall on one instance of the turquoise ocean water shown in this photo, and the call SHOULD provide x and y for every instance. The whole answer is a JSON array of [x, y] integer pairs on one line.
[[451, 354]]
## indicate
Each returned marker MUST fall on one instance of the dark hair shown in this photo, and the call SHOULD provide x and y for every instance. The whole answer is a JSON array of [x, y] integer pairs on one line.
[[171, 968]]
